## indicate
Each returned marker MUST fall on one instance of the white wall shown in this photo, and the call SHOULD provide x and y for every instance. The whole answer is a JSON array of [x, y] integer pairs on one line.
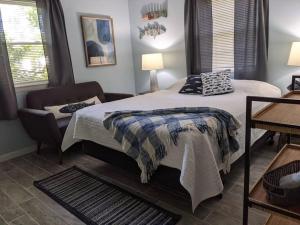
[[13, 136], [284, 29], [170, 43], [119, 78]]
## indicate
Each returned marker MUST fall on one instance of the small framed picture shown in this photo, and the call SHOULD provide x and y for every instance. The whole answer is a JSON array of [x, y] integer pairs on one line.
[[99, 42]]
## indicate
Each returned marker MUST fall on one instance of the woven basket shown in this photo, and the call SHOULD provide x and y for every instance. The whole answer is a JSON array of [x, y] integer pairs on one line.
[[277, 195]]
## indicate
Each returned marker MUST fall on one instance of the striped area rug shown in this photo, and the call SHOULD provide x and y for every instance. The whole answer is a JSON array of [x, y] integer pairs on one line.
[[97, 202]]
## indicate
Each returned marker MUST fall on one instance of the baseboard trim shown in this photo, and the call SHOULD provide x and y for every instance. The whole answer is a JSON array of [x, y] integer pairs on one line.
[[17, 153]]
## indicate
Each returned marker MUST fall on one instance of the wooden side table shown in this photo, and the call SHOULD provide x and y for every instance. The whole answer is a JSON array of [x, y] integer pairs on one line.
[[281, 115]]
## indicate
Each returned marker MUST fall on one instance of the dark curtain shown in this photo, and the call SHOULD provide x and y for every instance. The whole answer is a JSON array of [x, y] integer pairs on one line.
[[251, 39], [54, 36], [8, 100], [199, 36]]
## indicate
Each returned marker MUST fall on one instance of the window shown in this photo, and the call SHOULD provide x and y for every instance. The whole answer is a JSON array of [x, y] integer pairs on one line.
[[223, 34], [24, 42]]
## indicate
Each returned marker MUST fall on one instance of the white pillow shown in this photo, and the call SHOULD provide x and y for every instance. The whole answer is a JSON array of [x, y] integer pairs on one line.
[[177, 85], [255, 87], [63, 111]]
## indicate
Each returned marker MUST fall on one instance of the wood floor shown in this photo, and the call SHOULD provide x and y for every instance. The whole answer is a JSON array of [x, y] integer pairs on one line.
[[22, 204]]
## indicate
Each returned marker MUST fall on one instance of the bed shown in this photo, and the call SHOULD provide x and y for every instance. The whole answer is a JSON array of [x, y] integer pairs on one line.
[[200, 166]]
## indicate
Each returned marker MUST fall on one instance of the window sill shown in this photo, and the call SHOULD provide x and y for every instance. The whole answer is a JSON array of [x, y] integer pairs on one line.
[[31, 86]]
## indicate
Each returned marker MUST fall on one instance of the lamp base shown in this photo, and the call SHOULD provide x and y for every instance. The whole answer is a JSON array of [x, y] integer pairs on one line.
[[153, 81]]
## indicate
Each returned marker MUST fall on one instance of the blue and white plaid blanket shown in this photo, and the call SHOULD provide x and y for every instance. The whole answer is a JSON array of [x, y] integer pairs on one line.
[[143, 134]]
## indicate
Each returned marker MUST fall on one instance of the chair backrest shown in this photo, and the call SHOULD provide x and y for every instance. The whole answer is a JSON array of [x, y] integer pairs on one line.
[[64, 95]]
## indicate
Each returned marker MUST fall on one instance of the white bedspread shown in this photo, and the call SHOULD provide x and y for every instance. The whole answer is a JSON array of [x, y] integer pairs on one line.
[[198, 158]]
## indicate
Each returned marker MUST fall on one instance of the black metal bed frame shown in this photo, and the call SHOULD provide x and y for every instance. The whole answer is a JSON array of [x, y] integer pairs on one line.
[[250, 123]]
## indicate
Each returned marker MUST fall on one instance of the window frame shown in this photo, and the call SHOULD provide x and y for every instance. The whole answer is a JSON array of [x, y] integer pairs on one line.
[[26, 86], [29, 83]]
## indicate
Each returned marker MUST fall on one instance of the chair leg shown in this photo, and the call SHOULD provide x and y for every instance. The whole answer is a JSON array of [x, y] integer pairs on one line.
[[60, 156], [39, 145]]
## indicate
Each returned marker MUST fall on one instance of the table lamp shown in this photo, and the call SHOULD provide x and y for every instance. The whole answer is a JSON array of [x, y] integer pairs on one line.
[[294, 60], [152, 63]]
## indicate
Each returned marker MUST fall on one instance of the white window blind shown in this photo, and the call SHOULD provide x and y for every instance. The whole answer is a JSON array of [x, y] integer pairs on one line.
[[223, 34], [24, 42]]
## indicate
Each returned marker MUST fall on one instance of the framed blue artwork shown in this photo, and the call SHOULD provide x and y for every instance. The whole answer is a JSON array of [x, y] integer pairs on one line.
[[98, 38]]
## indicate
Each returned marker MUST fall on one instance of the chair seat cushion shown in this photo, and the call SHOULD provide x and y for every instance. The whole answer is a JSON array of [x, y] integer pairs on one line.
[[63, 124]]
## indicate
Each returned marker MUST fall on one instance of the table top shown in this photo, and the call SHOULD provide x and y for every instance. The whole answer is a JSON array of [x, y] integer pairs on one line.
[[279, 116]]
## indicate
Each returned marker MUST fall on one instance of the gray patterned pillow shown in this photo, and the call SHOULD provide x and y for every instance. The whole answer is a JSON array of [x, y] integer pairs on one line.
[[216, 83]]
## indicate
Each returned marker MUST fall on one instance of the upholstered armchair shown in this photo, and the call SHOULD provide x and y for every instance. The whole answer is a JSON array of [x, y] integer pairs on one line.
[[42, 126]]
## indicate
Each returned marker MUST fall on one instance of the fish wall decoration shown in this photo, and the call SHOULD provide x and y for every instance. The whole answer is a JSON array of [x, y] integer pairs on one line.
[[154, 11], [153, 30]]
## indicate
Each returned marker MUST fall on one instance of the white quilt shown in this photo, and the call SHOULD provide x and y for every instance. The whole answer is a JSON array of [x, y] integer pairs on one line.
[[198, 158]]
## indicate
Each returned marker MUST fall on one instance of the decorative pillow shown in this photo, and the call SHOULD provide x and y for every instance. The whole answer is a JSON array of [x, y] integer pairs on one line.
[[193, 85], [62, 111], [216, 83], [74, 107]]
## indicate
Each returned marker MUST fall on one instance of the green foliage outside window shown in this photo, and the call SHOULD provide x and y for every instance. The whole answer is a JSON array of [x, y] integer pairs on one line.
[[27, 59]]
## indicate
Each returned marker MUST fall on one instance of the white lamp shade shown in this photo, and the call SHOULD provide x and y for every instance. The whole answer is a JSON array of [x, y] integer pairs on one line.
[[152, 61], [294, 59]]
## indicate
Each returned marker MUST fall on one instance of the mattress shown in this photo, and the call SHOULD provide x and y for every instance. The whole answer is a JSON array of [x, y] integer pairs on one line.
[[196, 164]]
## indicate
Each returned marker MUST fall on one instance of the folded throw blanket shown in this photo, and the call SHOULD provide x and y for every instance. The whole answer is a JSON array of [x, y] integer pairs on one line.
[[143, 134]]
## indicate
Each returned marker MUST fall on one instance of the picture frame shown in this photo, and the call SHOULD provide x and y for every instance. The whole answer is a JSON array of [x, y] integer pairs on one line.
[[98, 39]]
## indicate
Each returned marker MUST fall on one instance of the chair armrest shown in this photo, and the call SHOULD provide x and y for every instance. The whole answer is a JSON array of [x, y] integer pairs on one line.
[[109, 97], [41, 126]]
